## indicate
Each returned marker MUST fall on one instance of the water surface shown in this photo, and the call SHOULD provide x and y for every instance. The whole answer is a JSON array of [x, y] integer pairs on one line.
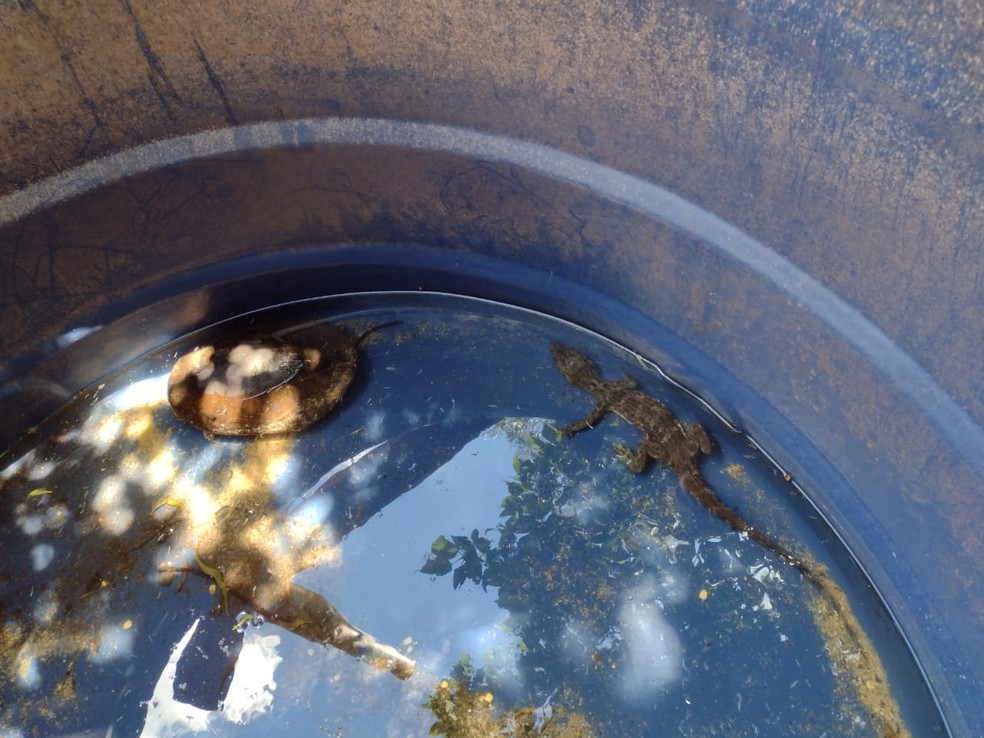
[[539, 585]]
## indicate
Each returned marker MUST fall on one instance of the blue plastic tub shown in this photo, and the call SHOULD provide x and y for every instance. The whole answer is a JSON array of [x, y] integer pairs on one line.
[[783, 209]]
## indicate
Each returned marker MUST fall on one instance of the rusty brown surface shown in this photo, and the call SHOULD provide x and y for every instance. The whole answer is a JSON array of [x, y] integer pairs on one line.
[[846, 137]]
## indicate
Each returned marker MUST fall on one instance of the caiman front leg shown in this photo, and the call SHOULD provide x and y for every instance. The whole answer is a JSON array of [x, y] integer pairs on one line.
[[589, 421], [606, 400], [696, 434]]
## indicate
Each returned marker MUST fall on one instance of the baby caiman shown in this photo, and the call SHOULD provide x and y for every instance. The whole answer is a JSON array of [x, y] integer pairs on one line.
[[665, 439], [678, 446]]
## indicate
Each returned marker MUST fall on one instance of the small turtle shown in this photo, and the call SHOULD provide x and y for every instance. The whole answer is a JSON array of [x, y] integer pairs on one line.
[[265, 385]]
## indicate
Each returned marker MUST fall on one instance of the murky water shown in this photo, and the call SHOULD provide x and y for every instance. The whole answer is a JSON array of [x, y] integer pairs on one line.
[[151, 576]]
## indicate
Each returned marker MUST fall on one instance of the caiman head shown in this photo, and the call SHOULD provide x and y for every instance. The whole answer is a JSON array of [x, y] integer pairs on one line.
[[575, 366]]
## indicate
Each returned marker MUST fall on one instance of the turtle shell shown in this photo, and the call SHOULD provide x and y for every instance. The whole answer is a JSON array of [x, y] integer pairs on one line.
[[264, 385]]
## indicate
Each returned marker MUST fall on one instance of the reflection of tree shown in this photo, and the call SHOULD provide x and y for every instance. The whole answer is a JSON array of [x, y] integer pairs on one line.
[[120, 506], [557, 556], [593, 563], [462, 713], [85, 628]]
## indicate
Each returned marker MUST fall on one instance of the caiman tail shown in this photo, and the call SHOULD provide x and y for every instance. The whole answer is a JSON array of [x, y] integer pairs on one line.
[[699, 490], [818, 577]]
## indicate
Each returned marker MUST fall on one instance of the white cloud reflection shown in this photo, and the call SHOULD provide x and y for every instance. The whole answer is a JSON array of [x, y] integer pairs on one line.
[[250, 694]]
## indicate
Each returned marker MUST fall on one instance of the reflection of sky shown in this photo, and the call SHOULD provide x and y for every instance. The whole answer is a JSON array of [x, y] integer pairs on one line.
[[379, 587], [378, 584], [250, 693]]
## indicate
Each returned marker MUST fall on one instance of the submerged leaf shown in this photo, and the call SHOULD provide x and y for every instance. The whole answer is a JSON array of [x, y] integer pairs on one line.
[[216, 576], [246, 617], [437, 566]]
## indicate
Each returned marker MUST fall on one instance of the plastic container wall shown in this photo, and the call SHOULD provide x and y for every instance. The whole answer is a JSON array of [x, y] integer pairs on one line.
[[782, 202]]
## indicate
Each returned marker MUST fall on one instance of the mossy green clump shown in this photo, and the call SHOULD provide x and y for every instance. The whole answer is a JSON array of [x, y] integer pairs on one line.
[[463, 713]]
